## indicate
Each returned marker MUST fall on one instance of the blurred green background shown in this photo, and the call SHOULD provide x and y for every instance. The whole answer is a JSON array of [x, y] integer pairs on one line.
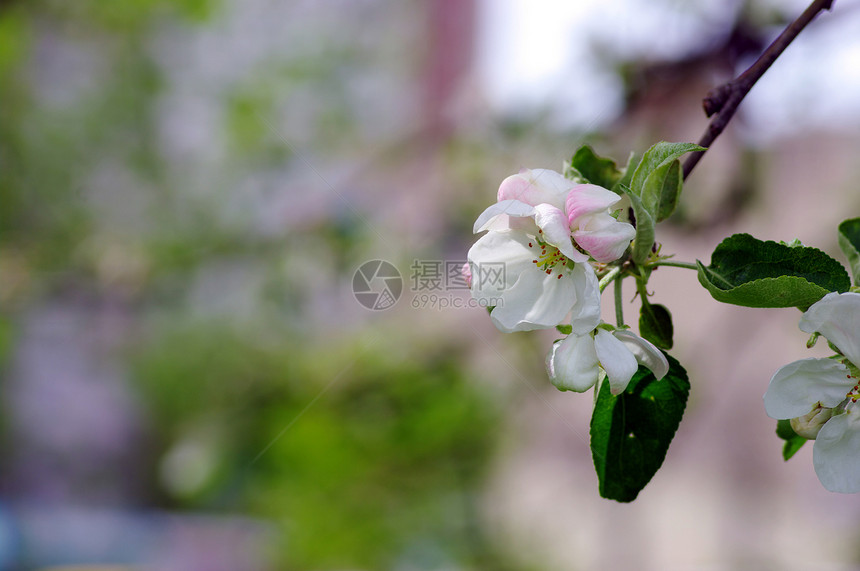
[[188, 188]]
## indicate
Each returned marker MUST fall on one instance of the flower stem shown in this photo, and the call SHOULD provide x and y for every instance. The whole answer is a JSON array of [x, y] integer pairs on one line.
[[609, 277], [619, 304], [688, 265], [723, 101]]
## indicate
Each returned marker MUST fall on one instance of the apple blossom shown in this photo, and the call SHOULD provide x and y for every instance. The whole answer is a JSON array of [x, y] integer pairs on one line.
[[531, 260], [564, 210], [820, 395], [537, 285], [573, 362]]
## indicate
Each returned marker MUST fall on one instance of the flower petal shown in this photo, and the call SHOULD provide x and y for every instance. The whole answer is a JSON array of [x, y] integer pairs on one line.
[[585, 199], [536, 186], [524, 297], [603, 236], [535, 301], [585, 313], [556, 232], [492, 218], [836, 454], [796, 387], [644, 352], [618, 362], [572, 363], [837, 317], [496, 260]]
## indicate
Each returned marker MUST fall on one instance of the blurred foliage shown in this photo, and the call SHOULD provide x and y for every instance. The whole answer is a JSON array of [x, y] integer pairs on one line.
[[365, 457], [360, 456]]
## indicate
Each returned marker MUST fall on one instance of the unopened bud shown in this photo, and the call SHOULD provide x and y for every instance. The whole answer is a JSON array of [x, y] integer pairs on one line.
[[810, 423]]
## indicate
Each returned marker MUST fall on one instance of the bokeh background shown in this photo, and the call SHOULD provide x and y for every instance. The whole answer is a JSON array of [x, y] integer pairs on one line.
[[189, 186]]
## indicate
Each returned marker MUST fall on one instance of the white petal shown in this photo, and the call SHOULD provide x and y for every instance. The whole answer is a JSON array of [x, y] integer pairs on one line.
[[585, 313], [537, 186], [837, 317], [603, 236], [553, 183], [836, 454], [572, 363], [618, 362], [489, 217], [644, 352], [556, 232], [585, 199], [535, 301], [496, 261], [525, 298], [796, 387]]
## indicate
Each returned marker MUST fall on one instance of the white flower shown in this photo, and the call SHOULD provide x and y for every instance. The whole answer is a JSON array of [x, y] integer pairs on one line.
[[815, 388], [573, 362], [529, 295], [530, 265]]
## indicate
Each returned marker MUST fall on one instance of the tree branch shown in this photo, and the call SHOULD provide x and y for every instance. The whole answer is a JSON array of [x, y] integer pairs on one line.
[[725, 99]]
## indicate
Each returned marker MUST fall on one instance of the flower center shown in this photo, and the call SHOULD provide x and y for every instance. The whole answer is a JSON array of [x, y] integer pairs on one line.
[[549, 257], [854, 393]]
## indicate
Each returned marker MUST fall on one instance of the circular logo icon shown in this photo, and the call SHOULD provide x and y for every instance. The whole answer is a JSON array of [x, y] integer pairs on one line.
[[377, 285]]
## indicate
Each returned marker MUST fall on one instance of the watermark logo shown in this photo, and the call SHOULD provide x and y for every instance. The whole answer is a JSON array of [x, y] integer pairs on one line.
[[436, 284], [438, 275], [490, 276], [377, 285]]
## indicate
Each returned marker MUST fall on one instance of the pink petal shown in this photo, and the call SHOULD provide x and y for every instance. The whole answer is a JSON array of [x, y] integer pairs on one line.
[[537, 186], [604, 237], [585, 199]]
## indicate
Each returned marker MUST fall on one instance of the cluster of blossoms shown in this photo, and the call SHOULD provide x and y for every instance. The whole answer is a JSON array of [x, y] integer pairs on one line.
[[545, 233], [820, 395]]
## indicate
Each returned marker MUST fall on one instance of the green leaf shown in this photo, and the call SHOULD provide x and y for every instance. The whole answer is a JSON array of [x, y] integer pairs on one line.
[[644, 238], [624, 182], [748, 272], [631, 432], [793, 441], [654, 189], [658, 156], [849, 241], [564, 329], [662, 190], [655, 324], [597, 170]]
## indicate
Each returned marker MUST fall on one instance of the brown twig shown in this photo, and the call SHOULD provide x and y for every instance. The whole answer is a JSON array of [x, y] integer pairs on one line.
[[724, 100]]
